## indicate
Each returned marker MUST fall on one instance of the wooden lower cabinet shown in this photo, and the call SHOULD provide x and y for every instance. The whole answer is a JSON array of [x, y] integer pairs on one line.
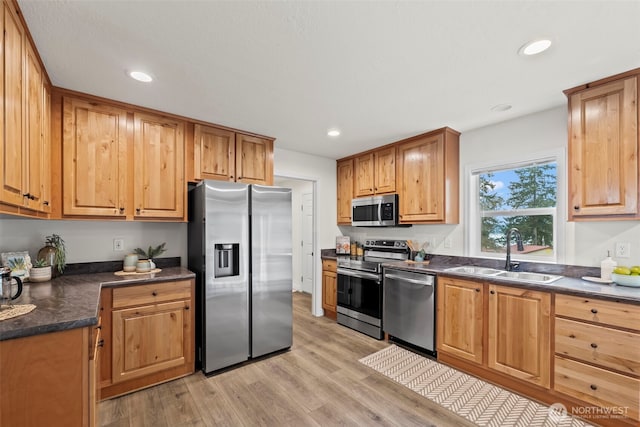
[[595, 371], [46, 379], [150, 335], [329, 288], [597, 345], [460, 318], [520, 333]]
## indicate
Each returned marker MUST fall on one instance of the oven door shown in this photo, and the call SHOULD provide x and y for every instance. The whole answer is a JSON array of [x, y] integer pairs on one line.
[[360, 295]]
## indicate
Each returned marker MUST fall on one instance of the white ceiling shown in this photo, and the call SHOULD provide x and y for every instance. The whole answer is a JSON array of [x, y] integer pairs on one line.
[[380, 71]]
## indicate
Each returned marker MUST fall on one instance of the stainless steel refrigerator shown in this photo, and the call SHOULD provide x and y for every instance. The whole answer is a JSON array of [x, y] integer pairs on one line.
[[240, 250]]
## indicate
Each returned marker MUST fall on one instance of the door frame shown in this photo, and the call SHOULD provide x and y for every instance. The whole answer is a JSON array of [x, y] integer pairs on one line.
[[316, 291]]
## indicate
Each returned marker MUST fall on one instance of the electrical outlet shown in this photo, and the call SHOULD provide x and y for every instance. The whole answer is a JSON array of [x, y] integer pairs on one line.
[[623, 250], [118, 244]]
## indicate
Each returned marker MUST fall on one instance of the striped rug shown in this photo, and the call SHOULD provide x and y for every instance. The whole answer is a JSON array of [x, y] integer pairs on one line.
[[478, 401]]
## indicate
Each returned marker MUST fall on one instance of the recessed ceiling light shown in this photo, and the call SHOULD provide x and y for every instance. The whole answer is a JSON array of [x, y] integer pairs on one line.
[[501, 107], [333, 132], [535, 47], [141, 76]]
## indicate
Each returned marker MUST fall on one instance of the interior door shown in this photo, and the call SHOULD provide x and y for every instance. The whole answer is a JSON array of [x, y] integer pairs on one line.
[[307, 242]]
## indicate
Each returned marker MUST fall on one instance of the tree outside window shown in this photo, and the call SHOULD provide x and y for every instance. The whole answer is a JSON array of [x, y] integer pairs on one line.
[[522, 197]]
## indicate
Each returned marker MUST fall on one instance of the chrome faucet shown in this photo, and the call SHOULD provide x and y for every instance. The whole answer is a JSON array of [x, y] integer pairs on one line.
[[508, 264]]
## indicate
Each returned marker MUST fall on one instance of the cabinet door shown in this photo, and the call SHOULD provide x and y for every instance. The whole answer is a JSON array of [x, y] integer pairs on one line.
[[14, 164], [385, 170], [94, 147], [363, 175], [254, 160], [159, 185], [421, 176], [33, 134], [603, 150], [329, 292], [345, 191], [214, 153], [46, 150], [519, 333], [149, 339], [460, 318]]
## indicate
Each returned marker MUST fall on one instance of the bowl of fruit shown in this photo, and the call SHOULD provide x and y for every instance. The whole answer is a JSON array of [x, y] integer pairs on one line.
[[627, 276]]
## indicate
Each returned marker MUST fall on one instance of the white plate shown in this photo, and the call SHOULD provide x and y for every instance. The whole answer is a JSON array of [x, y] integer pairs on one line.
[[596, 279]]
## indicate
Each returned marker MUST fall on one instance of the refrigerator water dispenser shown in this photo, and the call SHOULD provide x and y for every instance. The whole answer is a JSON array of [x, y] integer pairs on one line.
[[227, 259]]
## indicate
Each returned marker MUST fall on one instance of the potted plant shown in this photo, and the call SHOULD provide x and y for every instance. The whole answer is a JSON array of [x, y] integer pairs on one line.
[[40, 271], [151, 253], [54, 253]]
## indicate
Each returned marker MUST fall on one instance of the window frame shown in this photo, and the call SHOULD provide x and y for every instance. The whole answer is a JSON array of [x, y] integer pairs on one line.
[[473, 217]]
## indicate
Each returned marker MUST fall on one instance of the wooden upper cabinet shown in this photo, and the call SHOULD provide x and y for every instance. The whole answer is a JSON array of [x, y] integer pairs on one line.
[[94, 159], [46, 150], [603, 150], [254, 159], [520, 333], [375, 173], [363, 175], [384, 162], [33, 129], [460, 318], [159, 184], [214, 153], [14, 157], [428, 169], [344, 190]]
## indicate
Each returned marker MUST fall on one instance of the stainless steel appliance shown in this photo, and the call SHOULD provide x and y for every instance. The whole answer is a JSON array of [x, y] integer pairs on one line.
[[409, 307], [240, 250], [360, 285], [375, 211]]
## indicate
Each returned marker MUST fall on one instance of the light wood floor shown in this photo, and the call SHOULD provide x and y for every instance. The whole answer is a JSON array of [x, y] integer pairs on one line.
[[319, 382]]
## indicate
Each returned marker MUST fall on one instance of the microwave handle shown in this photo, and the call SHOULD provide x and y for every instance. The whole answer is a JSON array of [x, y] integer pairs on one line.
[[380, 213]]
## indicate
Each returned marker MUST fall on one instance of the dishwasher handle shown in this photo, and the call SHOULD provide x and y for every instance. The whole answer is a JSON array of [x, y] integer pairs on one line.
[[409, 280]]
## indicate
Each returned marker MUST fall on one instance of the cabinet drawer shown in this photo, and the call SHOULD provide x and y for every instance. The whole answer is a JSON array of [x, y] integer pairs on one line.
[[151, 293], [597, 386], [610, 348], [593, 310], [329, 265]]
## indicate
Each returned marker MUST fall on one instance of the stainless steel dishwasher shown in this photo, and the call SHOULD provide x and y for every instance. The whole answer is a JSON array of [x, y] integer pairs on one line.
[[409, 307]]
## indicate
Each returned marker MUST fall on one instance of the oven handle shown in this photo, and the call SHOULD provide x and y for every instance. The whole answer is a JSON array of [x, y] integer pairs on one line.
[[406, 279], [358, 274]]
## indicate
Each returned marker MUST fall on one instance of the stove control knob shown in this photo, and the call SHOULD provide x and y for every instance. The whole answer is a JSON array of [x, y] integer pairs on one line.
[[396, 244], [403, 244], [367, 242]]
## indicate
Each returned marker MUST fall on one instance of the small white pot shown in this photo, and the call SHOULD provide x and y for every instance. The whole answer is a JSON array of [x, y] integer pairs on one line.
[[40, 274]]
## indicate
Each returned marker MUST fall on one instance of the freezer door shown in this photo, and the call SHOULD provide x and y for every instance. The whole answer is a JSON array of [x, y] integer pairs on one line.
[[226, 311], [271, 269]]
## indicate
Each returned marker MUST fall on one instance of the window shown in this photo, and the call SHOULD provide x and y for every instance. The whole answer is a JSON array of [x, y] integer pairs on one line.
[[522, 196]]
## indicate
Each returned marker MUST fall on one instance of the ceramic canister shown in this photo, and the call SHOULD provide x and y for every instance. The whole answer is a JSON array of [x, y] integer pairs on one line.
[[143, 266], [130, 261]]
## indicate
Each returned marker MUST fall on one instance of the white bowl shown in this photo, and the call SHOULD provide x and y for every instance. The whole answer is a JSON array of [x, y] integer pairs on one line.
[[625, 280]]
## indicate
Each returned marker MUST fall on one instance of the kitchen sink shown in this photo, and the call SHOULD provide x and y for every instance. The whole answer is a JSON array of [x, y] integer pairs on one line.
[[472, 269], [518, 276], [528, 277]]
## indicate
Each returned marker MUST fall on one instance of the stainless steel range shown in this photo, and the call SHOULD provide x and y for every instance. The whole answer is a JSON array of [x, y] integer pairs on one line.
[[360, 285]]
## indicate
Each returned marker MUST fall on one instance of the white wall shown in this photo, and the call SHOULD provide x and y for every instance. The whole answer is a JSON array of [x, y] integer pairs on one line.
[[88, 241], [581, 243], [323, 171]]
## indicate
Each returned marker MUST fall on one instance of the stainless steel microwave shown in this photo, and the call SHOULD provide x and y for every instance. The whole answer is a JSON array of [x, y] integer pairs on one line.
[[375, 211]]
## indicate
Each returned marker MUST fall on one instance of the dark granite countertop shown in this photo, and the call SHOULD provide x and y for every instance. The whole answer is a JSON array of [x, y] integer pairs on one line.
[[71, 301], [566, 285]]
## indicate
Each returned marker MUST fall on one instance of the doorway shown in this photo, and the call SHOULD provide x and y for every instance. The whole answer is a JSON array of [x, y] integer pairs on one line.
[[303, 231]]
